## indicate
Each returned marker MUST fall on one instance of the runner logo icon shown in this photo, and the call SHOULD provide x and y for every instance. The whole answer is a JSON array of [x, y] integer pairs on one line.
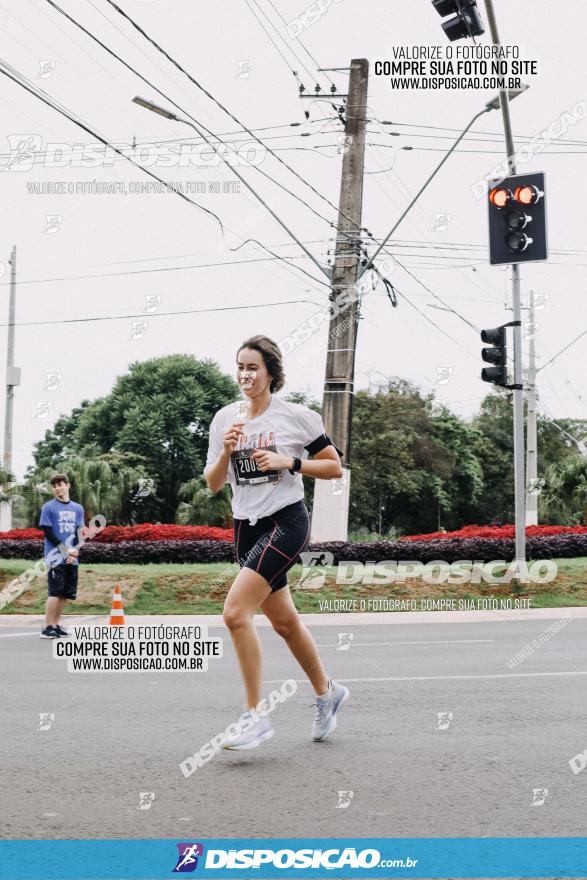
[[187, 860]]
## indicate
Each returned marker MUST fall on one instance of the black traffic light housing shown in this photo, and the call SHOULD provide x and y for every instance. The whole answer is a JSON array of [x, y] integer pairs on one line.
[[517, 220], [496, 355], [466, 21]]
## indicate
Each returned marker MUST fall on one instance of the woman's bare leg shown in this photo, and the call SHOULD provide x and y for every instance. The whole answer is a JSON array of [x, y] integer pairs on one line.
[[282, 613], [247, 593]]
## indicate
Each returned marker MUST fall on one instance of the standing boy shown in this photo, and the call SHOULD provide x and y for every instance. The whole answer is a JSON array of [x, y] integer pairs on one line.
[[60, 520]]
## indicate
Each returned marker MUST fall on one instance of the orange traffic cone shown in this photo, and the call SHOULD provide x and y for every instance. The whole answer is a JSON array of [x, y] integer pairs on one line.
[[117, 610]]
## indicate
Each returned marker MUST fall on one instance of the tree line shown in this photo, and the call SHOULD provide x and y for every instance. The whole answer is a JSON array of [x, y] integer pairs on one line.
[[138, 454]]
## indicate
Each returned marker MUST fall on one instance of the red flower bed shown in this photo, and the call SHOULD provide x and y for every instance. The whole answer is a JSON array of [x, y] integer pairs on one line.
[[497, 532], [22, 535], [142, 532]]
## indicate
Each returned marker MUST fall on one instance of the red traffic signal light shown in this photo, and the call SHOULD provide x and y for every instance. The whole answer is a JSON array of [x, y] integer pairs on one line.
[[500, 197], [517, 219], [527, 194]]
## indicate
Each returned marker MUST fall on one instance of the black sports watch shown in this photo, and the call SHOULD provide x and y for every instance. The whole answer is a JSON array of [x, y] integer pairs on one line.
[[297, 465]]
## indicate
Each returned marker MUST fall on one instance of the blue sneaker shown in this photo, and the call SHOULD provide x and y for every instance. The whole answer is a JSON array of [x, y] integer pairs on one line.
[[326, 708]]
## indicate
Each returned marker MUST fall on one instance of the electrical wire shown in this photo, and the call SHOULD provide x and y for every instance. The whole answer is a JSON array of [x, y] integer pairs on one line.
[[147, 271], [433, 323], [523, 137], [178, 106], [217, 102], [150, 315], [308, 53], [486, 286], [484, 152], [274, 44], [145, 170]]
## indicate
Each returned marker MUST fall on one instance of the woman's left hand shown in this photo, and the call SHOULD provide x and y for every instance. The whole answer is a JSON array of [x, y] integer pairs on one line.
[[270, 461]]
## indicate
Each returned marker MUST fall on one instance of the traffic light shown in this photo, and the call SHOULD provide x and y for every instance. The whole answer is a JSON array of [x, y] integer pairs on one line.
[[517, 220], [466, 21], [496, 355]]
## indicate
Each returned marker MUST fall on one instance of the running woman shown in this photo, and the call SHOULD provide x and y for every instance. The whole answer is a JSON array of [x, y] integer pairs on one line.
[[263, 459]]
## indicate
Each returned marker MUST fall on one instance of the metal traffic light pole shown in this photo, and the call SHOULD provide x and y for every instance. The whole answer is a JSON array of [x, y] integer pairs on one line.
[[519, 476]]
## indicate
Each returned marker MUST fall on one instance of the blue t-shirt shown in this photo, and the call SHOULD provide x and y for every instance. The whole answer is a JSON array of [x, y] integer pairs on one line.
[[64, 519]]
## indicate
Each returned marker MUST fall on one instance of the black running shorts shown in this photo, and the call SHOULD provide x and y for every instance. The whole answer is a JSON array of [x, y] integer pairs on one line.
[[272, 546], [63, 581]]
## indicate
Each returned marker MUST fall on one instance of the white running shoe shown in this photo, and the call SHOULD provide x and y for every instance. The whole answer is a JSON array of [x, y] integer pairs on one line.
[[254, 729], [326, 709]]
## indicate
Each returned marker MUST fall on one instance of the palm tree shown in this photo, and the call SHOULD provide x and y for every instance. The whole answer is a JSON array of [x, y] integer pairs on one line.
[[566, 488], [6, 487], [200, 506]]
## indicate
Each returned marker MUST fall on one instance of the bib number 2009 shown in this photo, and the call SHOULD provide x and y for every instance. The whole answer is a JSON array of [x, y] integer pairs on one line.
[[247, 471]]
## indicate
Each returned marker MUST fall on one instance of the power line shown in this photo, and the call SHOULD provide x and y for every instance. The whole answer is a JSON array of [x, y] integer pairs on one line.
[[147, 271], [189, 115], [497, 135], [419, 208], [12, 37], [435, 295], [473, 138], [274, 44], [562, 351], [150, 315], [308, 53], [145, 170], [102, 140], [422, 212], [193, 141], [484, 152], [433, 323], [216, 101]]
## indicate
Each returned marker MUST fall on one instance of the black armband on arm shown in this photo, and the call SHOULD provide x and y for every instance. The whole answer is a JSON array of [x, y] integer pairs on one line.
[[319, 444]]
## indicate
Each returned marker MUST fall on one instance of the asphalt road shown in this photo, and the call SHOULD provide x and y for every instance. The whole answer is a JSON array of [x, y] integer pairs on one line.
[[117, 735]]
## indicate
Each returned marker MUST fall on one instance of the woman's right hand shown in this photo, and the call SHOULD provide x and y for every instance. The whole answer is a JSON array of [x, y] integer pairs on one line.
[[231, 437]]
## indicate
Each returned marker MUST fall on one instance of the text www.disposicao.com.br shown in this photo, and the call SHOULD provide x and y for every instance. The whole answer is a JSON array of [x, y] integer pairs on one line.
[[132, 664]]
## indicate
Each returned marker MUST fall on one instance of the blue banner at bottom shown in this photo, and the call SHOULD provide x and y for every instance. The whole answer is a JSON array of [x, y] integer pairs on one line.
[[293, 857]]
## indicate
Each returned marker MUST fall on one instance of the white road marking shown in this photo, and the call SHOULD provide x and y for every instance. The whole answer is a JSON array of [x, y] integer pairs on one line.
[[440, 677], [37, 632], [435, 642]]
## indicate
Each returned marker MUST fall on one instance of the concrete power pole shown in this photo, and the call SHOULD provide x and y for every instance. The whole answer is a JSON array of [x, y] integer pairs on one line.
[[531, 427], [331, 498], [12, 379]]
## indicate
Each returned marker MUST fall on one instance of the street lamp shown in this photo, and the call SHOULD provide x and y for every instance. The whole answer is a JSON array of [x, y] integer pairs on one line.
[[494, 104], [155, 108]]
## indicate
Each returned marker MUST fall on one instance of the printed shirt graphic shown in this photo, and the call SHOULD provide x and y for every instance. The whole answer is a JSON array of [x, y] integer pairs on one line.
[[285, 428], [245, 468], [64, 519]]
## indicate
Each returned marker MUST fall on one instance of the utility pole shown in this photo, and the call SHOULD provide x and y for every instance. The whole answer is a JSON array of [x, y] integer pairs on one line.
[[331, 508], [519, 480], [12, 379], [531, 427]]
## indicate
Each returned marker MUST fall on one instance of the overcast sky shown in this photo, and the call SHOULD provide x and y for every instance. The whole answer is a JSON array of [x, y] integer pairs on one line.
[[130, 247]]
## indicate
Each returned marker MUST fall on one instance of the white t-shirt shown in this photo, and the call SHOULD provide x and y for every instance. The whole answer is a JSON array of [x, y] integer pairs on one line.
[[285, 428]]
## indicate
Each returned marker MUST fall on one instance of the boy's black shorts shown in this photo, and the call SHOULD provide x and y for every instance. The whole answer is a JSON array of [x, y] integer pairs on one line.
[[272, 546], [63, 581]]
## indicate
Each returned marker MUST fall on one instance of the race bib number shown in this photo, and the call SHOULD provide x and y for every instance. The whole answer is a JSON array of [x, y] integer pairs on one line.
[[246, 469]]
